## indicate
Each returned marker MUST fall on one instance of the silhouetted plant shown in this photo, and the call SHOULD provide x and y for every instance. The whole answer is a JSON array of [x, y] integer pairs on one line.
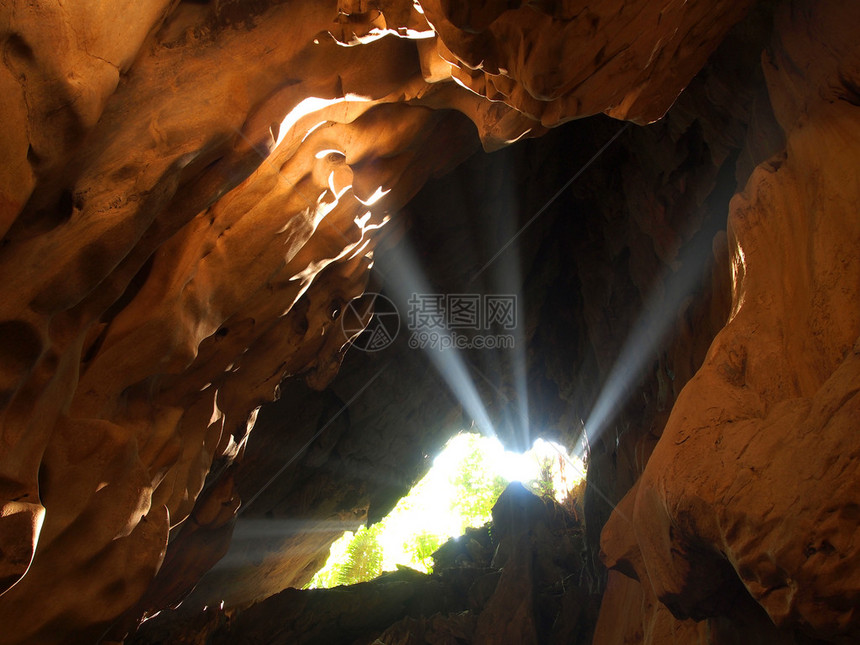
[[543, 485]]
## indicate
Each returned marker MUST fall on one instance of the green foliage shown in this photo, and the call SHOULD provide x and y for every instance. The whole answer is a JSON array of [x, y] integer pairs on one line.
[[477, 486], [363, 557], [356, 557], [422, 546]]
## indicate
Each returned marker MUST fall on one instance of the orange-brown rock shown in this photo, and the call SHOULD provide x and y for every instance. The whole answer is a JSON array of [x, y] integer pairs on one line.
[[754, 479]]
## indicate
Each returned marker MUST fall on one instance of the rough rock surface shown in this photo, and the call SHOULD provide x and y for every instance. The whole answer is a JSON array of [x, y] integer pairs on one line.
[[185, 203], [754, 480], [515, 587]]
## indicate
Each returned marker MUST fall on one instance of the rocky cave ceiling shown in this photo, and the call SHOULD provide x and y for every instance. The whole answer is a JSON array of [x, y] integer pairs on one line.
[[194, 192]]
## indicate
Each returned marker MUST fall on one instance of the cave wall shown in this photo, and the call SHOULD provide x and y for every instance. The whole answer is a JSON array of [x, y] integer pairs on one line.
[[773, 410], [176, 253]]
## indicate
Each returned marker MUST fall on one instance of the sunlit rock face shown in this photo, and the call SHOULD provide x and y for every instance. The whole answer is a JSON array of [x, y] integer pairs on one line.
[[191, 193], [753, 486]]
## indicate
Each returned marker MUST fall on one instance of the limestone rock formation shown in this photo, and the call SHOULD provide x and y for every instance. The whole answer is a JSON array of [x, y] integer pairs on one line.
[[772, 413], [192, 192]]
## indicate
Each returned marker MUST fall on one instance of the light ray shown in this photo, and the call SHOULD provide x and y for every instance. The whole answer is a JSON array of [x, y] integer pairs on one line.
[[506, 278], [648, 334], [403, 283]]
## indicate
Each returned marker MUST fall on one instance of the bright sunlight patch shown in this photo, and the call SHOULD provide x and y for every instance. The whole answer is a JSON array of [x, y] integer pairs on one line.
[[459, 490]]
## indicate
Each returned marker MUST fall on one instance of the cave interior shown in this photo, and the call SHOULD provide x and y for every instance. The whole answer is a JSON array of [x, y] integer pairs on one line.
[[262, 260]]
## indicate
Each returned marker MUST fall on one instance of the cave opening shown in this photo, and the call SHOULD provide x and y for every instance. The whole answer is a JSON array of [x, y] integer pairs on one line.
[[456, 494]]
